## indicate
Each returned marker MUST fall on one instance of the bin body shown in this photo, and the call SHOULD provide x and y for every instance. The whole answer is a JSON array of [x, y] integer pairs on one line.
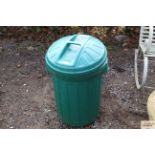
[[77, 89], [77, 101]]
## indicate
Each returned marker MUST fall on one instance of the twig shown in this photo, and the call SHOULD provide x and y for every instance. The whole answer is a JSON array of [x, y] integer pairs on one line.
[[149, 87]]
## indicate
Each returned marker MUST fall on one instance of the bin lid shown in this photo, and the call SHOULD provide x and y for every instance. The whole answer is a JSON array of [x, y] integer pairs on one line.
[[76, 54]]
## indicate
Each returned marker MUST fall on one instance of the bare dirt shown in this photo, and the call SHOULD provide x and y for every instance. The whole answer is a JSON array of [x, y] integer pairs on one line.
[[26, 90]]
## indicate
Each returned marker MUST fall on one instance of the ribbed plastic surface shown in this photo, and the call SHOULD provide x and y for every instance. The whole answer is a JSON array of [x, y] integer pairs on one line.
[[77, 102], [76, 54]]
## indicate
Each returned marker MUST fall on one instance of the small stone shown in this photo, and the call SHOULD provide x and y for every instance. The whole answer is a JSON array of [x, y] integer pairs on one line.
[[19, 65], [27, 90], [125, 82], [30, 48], [11, 127], [121, 38], [126, 49], [80, 32], [125, 45], [47, 110], [3, 69], [24, 84]]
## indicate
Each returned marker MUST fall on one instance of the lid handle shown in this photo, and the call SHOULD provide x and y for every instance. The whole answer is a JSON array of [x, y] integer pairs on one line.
[[66, 46]]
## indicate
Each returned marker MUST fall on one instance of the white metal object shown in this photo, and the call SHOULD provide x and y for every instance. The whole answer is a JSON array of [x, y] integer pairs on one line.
[[147, 47]]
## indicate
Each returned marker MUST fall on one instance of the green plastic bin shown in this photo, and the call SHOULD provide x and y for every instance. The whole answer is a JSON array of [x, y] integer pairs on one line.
[[76, 63]]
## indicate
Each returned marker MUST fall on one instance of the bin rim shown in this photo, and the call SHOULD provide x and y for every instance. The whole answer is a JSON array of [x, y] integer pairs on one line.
[[84, 75], [52, 68]]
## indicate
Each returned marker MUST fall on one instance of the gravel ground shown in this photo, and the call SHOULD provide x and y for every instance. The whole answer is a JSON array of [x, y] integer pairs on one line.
[[26, 91]]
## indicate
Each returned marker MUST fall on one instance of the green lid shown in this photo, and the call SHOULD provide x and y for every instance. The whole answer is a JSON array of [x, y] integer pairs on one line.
[[76, 54]]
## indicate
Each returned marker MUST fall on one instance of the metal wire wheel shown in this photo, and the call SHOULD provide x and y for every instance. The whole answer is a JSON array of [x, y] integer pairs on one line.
[[140, 76]]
